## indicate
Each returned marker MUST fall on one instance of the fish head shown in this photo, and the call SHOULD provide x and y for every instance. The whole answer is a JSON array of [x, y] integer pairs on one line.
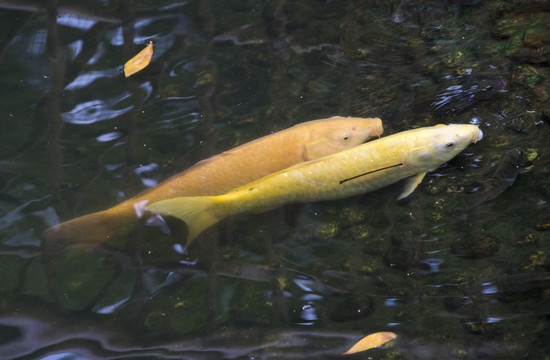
[[436, 145], [338, 133]]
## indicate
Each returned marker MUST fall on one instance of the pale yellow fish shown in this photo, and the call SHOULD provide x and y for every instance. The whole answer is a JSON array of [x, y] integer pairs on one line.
[[140, 61], [409, 154], [371, 341]]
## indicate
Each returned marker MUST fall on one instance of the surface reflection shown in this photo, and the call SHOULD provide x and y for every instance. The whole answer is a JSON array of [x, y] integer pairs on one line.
[[459, 270]]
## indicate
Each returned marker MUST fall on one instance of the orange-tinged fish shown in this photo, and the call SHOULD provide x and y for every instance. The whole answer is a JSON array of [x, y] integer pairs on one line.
[[223, 172], [408, 154]]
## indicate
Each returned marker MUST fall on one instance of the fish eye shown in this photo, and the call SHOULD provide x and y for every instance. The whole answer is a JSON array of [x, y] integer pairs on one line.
[[450, 144], [345, 136]]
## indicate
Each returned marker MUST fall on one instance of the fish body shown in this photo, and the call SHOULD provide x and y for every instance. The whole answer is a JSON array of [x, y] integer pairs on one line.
[[503, 177], [223, 172], [358, 170]]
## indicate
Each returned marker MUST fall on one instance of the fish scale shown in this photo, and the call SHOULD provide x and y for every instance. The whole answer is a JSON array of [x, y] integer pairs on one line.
[[311, 181], [317, 180]]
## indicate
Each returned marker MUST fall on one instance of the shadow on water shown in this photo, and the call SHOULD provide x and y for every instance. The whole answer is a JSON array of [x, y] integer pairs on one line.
[[458, 270]]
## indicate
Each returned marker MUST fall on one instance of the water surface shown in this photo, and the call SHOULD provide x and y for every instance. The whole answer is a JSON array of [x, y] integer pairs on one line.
[[458, 270]]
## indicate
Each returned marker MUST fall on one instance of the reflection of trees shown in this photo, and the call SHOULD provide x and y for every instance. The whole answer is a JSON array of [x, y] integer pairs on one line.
[[64, 70], [50, 107], [49, 128]]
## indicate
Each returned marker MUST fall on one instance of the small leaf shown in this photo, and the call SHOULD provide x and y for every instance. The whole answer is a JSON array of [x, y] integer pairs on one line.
[[371, 341], [140, 61]]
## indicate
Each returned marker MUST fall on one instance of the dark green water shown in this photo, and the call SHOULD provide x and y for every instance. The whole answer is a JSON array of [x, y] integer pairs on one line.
[[459, 270]]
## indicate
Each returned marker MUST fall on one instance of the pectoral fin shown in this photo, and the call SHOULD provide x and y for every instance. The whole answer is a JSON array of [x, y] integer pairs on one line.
[[411, 184], [314, 149]]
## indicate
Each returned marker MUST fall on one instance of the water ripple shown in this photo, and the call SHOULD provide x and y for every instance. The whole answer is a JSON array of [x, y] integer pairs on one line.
[[93, 111]]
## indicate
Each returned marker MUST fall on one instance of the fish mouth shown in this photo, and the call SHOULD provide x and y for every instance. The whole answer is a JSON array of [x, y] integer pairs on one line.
[[477, 136]]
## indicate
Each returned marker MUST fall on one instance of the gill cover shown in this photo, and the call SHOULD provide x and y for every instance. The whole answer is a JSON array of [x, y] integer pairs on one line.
[[332, 143]]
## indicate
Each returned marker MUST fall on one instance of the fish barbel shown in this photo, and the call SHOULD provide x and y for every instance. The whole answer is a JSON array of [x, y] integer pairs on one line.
[[223, 172], [409, 154]]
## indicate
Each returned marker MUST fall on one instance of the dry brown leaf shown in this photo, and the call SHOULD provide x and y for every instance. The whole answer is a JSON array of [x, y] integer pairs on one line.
[[140, 61], [371, 341]]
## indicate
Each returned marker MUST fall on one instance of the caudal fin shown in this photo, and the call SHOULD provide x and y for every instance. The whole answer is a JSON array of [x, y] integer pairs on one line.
[[96, 227], [196, 211]]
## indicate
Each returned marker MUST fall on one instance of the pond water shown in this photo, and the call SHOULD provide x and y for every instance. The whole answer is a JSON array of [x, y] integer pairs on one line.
[[458, 270]]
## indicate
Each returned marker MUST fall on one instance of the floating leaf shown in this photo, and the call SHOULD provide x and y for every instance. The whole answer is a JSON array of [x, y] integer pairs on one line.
[[140, 61], [371, 341]]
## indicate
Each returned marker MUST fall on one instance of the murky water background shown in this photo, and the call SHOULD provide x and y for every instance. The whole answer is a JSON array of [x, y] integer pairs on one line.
[[459, 270]]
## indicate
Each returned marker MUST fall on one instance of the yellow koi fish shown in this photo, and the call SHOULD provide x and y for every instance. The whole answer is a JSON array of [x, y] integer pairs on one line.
[[409, 154], [221, 173]]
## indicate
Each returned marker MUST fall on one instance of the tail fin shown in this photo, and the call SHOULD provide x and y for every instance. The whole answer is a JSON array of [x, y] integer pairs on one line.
[[196, 211], [96, 227]]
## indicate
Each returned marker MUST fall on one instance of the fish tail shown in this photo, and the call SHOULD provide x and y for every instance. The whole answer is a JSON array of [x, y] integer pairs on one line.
[[198, 212], [96, 227]]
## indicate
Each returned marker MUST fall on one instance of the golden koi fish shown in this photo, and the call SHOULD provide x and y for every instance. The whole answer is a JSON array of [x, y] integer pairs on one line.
[[409, 154], [223, 172]]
